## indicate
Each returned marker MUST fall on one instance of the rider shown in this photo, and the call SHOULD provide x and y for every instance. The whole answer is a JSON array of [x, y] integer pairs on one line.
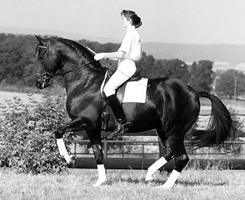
[[129, 52]]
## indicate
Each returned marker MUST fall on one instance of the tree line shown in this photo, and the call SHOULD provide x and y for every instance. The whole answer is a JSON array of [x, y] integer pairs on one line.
[[18, 65]]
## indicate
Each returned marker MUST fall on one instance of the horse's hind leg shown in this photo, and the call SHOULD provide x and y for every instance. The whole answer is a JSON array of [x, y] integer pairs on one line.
[[175, 139], [181, 159], [161, 161], [174, 146]]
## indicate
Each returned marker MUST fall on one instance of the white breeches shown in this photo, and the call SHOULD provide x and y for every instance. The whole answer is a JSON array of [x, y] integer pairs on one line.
[[126, 69]]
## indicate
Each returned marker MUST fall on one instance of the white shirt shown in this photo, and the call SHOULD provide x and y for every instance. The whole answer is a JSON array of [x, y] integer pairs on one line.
[[131, 45]]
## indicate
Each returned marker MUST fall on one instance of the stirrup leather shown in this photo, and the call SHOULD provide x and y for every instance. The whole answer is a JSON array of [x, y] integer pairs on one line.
[[120, 129]]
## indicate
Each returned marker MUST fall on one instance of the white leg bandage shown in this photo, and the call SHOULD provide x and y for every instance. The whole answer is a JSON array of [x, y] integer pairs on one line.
[[171, 180], [62, 150], [101, 175], [154, 167]]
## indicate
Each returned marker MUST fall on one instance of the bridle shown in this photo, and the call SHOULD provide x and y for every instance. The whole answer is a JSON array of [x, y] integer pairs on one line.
[[47, 76], [51, 74]]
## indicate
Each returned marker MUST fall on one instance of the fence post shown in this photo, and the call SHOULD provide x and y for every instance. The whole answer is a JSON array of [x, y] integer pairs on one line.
[[105, 148], [143, 150], [75, 149]]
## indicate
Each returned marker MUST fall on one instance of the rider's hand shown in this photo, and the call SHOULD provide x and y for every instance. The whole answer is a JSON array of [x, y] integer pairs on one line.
[[99, 56]]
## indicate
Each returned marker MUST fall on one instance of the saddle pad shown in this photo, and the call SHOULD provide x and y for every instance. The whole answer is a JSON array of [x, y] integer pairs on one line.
[[135, 91]]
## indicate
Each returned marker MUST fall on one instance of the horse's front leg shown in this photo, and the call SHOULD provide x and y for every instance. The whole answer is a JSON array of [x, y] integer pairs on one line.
[[63, 152], [75, 125], [98, 154], [95, 139]]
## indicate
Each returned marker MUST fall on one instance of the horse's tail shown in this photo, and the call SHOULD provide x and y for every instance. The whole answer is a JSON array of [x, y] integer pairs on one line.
[[220, 126]]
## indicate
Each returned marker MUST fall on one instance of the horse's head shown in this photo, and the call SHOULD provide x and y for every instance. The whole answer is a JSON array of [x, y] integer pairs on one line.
[[49, 59], [67, 56]]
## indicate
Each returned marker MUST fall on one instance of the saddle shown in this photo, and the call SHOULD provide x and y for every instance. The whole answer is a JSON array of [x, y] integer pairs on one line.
[[121, 90], [107, 113]]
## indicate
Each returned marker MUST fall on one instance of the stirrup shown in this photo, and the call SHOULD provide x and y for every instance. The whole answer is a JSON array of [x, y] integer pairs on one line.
[[120, 129]]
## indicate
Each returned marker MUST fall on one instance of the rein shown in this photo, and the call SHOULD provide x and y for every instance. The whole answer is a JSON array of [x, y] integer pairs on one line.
[[64, 73], [46, 76]]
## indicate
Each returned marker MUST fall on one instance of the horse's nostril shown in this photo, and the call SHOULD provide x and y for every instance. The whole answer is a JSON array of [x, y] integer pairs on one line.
[[39, 85]]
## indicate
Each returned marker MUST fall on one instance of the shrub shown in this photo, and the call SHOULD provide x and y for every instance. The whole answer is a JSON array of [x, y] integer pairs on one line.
[[27, 135]]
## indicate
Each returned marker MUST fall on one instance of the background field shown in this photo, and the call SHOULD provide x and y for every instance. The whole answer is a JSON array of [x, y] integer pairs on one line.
[[23, 96], [237, 106], [6, 96]]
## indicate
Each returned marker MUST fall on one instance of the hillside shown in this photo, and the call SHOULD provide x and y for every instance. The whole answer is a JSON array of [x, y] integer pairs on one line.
[[233, 54]]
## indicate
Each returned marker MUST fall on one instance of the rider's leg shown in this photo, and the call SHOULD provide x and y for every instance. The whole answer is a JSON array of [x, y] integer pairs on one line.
[[125, 70], [114, 82], [117, 109]]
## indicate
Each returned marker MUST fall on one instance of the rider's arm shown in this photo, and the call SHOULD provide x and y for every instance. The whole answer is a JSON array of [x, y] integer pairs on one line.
[[122, 51], [112, 55]]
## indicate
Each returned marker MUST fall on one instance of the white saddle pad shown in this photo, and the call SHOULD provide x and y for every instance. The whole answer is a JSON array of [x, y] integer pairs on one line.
[[135, 91]]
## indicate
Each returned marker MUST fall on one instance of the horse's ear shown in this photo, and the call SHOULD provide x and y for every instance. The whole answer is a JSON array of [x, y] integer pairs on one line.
[[41, 40]]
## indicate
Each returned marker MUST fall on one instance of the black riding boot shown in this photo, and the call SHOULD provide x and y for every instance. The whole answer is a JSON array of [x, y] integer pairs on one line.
[[117, 109]]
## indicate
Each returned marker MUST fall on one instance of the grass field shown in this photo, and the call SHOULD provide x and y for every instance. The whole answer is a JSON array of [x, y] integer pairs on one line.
[[122, 185]]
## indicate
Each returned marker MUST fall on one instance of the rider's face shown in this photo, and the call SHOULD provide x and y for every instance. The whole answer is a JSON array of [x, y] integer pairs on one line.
[[125, 21]]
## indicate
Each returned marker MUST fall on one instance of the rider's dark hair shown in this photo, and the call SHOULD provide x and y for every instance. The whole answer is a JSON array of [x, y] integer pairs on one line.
[[129, 14]]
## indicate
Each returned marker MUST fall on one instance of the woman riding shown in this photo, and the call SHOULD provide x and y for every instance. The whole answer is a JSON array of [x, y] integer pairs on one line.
[[129, 52]]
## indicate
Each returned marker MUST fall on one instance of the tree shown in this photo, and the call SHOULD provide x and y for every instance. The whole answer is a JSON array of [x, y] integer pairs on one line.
[[28, 144], [146, 65], [151, 68], [16, 52], [174, 68], [201, 75], [230, 82]]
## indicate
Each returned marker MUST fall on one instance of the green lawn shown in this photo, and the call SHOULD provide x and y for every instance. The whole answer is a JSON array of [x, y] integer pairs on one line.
[[122, 185]]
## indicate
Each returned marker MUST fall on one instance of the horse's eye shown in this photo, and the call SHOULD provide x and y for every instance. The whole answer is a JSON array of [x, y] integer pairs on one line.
[[41, 52]]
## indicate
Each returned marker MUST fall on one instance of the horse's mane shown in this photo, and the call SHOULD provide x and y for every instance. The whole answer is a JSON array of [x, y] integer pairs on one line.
[[75, 46]]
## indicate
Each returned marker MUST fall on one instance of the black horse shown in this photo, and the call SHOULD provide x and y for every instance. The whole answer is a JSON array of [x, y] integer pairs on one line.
[[171, 107]]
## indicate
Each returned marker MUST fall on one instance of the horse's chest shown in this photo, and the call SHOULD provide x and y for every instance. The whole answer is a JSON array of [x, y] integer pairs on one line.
[[81, 107]]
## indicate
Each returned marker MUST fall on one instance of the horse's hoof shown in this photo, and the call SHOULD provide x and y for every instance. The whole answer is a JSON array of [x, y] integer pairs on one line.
[[111, 137], [164, 187], [99, 183], [72, 163], [149, 183], [149, 177]]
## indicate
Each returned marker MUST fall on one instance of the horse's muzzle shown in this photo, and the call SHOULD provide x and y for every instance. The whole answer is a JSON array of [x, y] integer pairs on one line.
[[42, 85], [42, 81]]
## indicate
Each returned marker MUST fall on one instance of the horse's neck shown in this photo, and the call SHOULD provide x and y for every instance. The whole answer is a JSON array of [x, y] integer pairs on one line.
[[82, 78]]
